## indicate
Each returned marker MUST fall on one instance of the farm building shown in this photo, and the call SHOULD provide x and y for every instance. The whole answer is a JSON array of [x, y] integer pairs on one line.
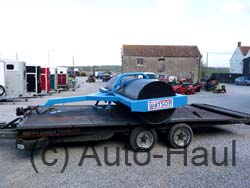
[[169, 60], [236, 61]]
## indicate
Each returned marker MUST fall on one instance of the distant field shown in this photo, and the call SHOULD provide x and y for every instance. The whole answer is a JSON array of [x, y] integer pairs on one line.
[[106, 68], [207, 71]]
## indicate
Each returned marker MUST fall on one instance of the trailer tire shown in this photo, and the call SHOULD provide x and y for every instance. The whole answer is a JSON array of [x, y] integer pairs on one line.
[[2, 90], [142, 139], [180, 135]]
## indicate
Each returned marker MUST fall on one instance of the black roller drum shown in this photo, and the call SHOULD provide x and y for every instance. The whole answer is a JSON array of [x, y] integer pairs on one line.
[[138, 89]]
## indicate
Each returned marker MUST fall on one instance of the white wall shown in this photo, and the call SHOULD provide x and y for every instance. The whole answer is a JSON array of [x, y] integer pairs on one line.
[[236, 64], [248, 54], [2, 75]]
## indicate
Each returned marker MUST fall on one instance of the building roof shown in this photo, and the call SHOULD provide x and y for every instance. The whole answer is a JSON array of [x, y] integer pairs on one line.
[[244, 49], [161, 51], [11, 60]]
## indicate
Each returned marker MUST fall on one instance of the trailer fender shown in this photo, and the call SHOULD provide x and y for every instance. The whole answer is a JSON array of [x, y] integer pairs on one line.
[[30, 145], [2, 90]]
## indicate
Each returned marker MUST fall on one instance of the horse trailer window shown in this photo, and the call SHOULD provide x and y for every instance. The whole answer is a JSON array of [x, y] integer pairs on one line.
[[10, 67]]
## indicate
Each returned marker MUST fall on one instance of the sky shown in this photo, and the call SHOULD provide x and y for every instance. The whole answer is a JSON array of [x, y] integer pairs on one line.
[[51, 32]]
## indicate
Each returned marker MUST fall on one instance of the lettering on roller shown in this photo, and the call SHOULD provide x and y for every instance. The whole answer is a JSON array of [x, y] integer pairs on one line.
[[160, 104]]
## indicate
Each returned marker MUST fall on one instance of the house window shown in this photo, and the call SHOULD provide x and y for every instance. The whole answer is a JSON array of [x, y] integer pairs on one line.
[[10, 67], [139, 62]]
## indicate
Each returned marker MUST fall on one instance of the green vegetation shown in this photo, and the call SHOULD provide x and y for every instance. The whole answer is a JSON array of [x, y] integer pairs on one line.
[[207, 71], [105, 68], [109, 68]]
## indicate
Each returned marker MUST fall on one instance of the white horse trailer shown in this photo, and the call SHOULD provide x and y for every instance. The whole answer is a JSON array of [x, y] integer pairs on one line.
[[2, 79], [14, 78]]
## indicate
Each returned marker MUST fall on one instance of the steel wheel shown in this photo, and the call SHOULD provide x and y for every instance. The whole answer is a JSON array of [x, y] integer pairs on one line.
[[142, 139], [180, 135]]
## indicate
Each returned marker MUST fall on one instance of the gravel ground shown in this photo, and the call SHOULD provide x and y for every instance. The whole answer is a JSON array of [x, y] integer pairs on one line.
[[16, 168]]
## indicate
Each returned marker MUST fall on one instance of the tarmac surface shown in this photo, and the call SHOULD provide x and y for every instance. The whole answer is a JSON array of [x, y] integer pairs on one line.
[[89, 164]]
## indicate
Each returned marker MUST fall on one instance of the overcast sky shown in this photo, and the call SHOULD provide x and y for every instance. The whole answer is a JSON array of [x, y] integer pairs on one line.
[[93, 31]]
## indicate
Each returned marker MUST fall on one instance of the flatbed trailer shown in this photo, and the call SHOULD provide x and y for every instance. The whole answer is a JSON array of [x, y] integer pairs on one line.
[[37, 128]]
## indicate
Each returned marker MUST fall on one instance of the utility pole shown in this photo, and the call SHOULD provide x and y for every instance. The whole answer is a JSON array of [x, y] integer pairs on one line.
[[48, 58], [207, 61], [73, 61], [206, 66]]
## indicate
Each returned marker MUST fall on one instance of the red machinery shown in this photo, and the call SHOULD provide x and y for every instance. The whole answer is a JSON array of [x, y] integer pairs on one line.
[[185, 86], [91, 79], [184, 89], [45, 80], [197, 86]]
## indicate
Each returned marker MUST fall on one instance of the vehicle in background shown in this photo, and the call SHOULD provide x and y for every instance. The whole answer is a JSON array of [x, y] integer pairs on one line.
[[150, 75], [214, 86], [72, 82], [2, 79], [33, 79], [53, 79], [197, 86], [13, 78], [163, 78], [184, 89], [172, 79], [99, 74], [220, 88], [243, 80], [90, 79], [45, 80], [106, 77], [62, 77]]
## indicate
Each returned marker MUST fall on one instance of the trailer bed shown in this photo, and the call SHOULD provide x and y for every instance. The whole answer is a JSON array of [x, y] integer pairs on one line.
[[86, 117], [61, 124]]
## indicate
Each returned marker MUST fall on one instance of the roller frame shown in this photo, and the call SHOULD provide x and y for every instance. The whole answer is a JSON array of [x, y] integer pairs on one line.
[[109, 96]]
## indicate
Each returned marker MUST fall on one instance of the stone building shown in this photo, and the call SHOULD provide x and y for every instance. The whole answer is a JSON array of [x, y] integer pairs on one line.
[[180, 61]]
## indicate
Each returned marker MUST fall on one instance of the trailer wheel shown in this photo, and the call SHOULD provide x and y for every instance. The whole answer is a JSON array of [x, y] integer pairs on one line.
[[180, 135], [2, 90], [142, 139]]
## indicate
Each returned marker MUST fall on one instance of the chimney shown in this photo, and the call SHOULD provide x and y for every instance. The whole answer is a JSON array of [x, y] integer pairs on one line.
[[239, 44]]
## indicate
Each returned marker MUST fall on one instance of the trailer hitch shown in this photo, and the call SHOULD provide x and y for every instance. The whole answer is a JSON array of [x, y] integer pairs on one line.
[[20, 111], [11, 124]]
